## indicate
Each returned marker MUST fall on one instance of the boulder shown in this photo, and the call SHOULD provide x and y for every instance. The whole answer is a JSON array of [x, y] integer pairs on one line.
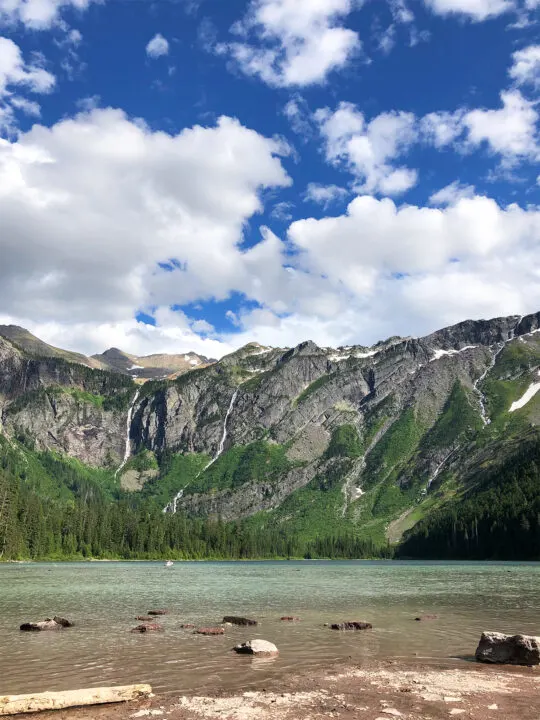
[[423, 618], [233, 620], [508, 649], [148, 627], [353, 625], [260, 648], [62, 621], [56, 624], [289, 618], [158, 612], [210, 631]]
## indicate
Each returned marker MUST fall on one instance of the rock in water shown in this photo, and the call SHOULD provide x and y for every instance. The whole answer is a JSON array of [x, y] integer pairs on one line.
[[509, 649], [47, 624], [210, 631], [354, 625], [62, 621], [261, 648], [148, 627], [238, 620], [158, 612], [289, 618], [423, 618]]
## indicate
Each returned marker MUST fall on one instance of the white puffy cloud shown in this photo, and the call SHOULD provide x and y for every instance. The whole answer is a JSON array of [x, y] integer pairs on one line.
[[38, 14], [450, 194], [16, 74], [14, 71], [90, 206], [385, 269], [477, 10], [325, 195], [157, 47], [510, 131], [293, 43], [369, 149], [525, 68]]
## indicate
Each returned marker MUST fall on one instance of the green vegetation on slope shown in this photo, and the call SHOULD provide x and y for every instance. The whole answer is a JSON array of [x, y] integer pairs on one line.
[[460, 418], [51, 508], [498, 518], [259, 462], [345, 442]]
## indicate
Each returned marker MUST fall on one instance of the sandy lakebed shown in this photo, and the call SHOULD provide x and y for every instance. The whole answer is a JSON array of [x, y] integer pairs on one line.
[[379, 690]]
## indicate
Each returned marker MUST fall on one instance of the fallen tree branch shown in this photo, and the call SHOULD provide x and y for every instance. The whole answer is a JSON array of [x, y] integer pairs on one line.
[[37, 702]]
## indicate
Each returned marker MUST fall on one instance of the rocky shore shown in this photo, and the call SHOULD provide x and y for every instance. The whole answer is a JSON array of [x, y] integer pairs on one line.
[[374, 691]]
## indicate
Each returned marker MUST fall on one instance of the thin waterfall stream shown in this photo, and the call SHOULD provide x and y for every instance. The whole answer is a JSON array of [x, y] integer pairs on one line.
[[127, 452], [171, 507]]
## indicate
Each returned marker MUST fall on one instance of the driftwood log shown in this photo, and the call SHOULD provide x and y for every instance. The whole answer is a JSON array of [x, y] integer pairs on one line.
[[38, 702]]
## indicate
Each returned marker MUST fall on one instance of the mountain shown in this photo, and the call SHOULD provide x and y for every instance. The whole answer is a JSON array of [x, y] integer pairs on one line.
[[433, 441], [150, 367], [34, 346]]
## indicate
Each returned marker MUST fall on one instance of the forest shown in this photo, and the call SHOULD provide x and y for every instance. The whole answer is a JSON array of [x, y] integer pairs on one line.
[[52, 508], [498, 518]]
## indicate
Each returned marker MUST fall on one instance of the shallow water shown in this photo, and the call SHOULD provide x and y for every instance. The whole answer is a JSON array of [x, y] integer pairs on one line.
[[104, 598]]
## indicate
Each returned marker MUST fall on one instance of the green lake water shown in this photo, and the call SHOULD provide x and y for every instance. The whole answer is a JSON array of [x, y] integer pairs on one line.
[[104, 598]]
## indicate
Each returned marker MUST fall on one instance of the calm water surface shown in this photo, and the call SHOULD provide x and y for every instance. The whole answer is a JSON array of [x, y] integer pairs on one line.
[[104, 598]]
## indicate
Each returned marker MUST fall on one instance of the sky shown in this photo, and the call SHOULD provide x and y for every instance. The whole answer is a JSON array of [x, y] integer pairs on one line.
[[193, 175]]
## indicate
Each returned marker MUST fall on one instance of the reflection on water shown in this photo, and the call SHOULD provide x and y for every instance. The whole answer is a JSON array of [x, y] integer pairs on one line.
[[104, 599]]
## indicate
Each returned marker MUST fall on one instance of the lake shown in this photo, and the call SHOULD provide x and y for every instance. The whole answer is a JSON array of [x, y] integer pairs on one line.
[[104, 598]]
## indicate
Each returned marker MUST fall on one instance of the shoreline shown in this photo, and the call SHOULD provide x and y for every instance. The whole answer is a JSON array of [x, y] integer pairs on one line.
[[411, 689]]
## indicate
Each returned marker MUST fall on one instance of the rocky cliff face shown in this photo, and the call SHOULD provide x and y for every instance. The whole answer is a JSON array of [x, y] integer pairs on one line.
[[377, 430]]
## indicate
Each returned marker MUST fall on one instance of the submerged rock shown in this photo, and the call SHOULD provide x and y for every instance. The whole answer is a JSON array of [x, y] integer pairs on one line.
[[233, 620], [423, 618], [261, 648], [62, 621], [187, 626], [353, 625], [57, 623], [210, 631], [508, 649], [289, 618], [148, 627], [144, 618], [158, 612]]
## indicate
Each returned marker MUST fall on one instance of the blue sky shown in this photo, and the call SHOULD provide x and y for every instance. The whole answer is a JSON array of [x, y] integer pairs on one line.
[[192, 175]]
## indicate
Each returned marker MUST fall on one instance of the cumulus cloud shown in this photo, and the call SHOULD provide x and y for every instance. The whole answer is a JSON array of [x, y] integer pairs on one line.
[[15, 73], [510, 131], [38, 14], [369, 149], [477, 10], [450, 194], [525, 68], [157, 47], [89, 207], [325, 195], [293, 43]]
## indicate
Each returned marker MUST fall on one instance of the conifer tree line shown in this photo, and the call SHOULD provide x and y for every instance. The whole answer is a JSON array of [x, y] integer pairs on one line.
[[498, 519], [53, 509]]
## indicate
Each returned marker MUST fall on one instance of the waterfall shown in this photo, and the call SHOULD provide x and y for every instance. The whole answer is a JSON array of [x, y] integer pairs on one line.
[[224, 435], [171, 507], [127, 451]]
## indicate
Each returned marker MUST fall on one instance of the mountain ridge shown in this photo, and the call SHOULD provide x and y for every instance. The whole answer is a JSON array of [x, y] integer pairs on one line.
[[366, 442]]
